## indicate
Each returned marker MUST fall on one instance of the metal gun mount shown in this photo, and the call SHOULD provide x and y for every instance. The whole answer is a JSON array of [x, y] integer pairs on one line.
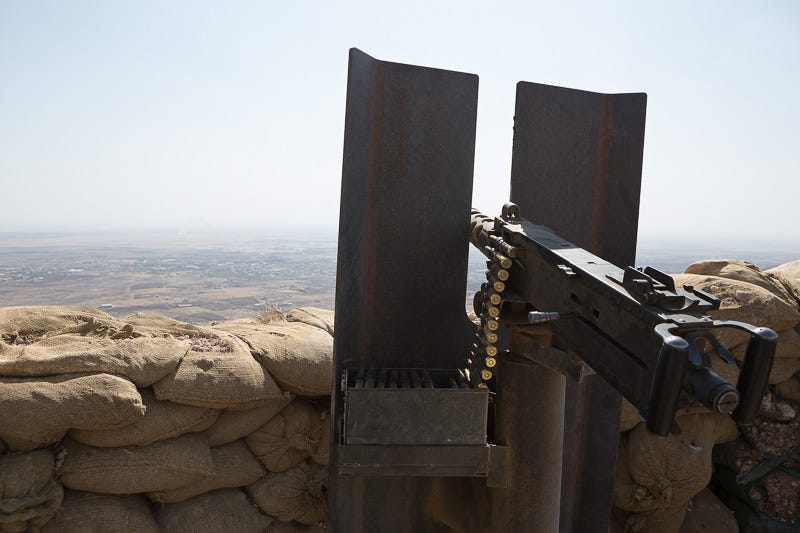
[[420, 443], [635, 328]]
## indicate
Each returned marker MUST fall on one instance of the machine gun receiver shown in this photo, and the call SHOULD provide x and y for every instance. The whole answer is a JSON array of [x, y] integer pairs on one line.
[[634, 327]]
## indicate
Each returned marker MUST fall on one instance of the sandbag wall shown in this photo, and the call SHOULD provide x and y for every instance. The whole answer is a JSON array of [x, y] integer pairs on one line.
[[149, 424], [753, 473]]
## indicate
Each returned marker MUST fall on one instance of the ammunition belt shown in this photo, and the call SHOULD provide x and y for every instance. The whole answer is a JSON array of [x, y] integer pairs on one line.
[[488, 301]]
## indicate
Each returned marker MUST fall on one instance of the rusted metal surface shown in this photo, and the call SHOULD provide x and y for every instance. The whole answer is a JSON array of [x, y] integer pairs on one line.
[[402, 260], [576, 168], [443, 417], [424, 461], [577, 165], [530, 421]]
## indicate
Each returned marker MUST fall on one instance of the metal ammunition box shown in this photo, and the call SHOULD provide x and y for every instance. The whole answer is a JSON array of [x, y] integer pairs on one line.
[[416, 416]]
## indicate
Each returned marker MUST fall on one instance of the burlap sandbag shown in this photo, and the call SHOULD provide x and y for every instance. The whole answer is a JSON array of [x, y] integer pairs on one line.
[[164, 465], [87, 512], [291, 436], [629, 416], [743, 302], [25, 479], [236, 424], [659, 473], [32, 518], [26, 324], [297, 494], [163, 420], [220, 511], [322, 444], [789, 389], [313, 316], [707, 514], [29, 493], [37, 412], [154, 324], [788, 343], [787, 274], [782, 369], [299, 356], [740, 271], [218, 372], [143, 360], [667, 520], [234, 466]]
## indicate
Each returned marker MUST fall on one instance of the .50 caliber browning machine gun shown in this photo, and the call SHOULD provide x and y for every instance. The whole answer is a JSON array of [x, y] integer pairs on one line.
[[439, 426], [635, 328]]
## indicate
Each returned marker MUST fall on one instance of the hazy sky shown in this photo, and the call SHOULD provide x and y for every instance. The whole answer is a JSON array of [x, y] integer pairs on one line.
[[231, 114]]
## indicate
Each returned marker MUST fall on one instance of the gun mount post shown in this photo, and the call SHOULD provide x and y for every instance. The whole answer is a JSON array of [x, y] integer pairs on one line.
[[406, 197], [576, 168]]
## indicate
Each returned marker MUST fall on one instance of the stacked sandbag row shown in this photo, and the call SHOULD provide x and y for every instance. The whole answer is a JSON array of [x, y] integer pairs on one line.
[[149, 424], [660, 481]]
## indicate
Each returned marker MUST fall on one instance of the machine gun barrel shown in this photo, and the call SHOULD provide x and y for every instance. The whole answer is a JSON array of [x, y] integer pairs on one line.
[[633, 327]]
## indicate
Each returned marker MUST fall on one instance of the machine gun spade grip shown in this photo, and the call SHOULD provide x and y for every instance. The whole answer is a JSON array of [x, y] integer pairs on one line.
[[754, 377], [666, 387]]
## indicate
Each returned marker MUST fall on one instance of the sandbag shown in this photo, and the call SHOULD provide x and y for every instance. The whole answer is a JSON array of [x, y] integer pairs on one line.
[[789, 389], [313, 316], [25, 479], [787, 274], [163, 420], [666, 520], [218, 372], [235, 424], [163, 465], [26, 324], [629, 416], [287, 439], [788, 343], [297, 355], [37, 412], [220, 511], [660, 473], [322, 445], [707, 514], [154, 324], [29, 493], [233, 466], [297, 494], [32, 518], [740, 271], [87, 512], [143, 360]]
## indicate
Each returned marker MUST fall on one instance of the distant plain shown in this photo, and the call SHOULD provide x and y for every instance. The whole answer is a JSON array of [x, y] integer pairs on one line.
[[203, 277]]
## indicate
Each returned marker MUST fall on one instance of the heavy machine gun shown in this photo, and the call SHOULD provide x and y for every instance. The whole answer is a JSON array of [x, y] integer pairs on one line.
[[635, 328]]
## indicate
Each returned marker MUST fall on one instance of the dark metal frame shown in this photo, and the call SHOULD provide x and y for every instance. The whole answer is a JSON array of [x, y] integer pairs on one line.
[[403, 239]]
